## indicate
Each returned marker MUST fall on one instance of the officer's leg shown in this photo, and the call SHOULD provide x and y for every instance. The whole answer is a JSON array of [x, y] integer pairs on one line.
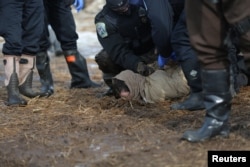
[[108, 68], [43, 61], [12, 14], [214, 69], [62, 22], [192, 73], [190, 66], [33, 22]]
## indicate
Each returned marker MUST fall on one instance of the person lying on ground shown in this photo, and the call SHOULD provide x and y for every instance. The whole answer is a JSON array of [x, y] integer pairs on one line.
[[164, 84]]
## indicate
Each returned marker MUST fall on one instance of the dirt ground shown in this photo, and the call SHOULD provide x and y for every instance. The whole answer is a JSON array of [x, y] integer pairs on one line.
[[74, 128]]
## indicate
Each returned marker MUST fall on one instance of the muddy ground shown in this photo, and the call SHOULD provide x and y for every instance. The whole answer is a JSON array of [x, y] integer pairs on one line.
[[74, 128]]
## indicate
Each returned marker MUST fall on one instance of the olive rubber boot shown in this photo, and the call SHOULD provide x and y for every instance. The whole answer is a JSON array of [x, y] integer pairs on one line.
[[11, 65], [43, 68], [217, 100], [26, 66], [78, 69], [194, 101]]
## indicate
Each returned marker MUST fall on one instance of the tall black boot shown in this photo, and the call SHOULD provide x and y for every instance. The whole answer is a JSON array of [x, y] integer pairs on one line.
[[43, 68], [26, 67], [11, 64], [217, 100], [194, 101], [78, 69]]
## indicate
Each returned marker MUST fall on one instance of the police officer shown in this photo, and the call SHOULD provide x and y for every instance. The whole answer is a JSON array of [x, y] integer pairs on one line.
[[187, 58], [124, 31], [60, 17], [170, 34], [163, 15], [21, 26], [227, 22]]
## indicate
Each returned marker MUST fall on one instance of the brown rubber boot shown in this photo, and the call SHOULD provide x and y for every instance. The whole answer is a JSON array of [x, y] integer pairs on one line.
[[11, 65], [27, 63]]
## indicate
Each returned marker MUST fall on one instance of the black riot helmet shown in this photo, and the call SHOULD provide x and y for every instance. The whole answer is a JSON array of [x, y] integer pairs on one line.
[[120, 6]]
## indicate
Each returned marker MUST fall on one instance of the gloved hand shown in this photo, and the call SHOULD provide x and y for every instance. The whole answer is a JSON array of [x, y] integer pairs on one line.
[[144, 70], [173, 56], [162, 61], [79, 4]]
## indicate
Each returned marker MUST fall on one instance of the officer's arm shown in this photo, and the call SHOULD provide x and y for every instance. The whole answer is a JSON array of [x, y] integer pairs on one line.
[[114, 45], [160, 15]]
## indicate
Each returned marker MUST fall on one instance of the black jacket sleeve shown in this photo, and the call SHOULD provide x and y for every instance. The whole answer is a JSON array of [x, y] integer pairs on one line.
[[119, 52]]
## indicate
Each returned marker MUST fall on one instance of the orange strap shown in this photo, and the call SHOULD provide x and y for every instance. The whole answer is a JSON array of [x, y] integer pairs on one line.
[[71, 58]]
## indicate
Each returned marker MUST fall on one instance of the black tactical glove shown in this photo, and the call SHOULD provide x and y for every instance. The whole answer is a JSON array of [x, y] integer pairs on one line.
[[143, 69]]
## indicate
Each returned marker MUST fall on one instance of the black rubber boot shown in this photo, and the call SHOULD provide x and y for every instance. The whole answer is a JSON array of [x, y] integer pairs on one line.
[[194, 101], [108, 81], [217, 99], [78, 69], [11, 67], [43, 68], [26, 66]]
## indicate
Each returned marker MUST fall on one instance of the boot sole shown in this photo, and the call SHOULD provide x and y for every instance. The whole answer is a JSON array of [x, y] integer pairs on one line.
[[221, 135], [15, 105]]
